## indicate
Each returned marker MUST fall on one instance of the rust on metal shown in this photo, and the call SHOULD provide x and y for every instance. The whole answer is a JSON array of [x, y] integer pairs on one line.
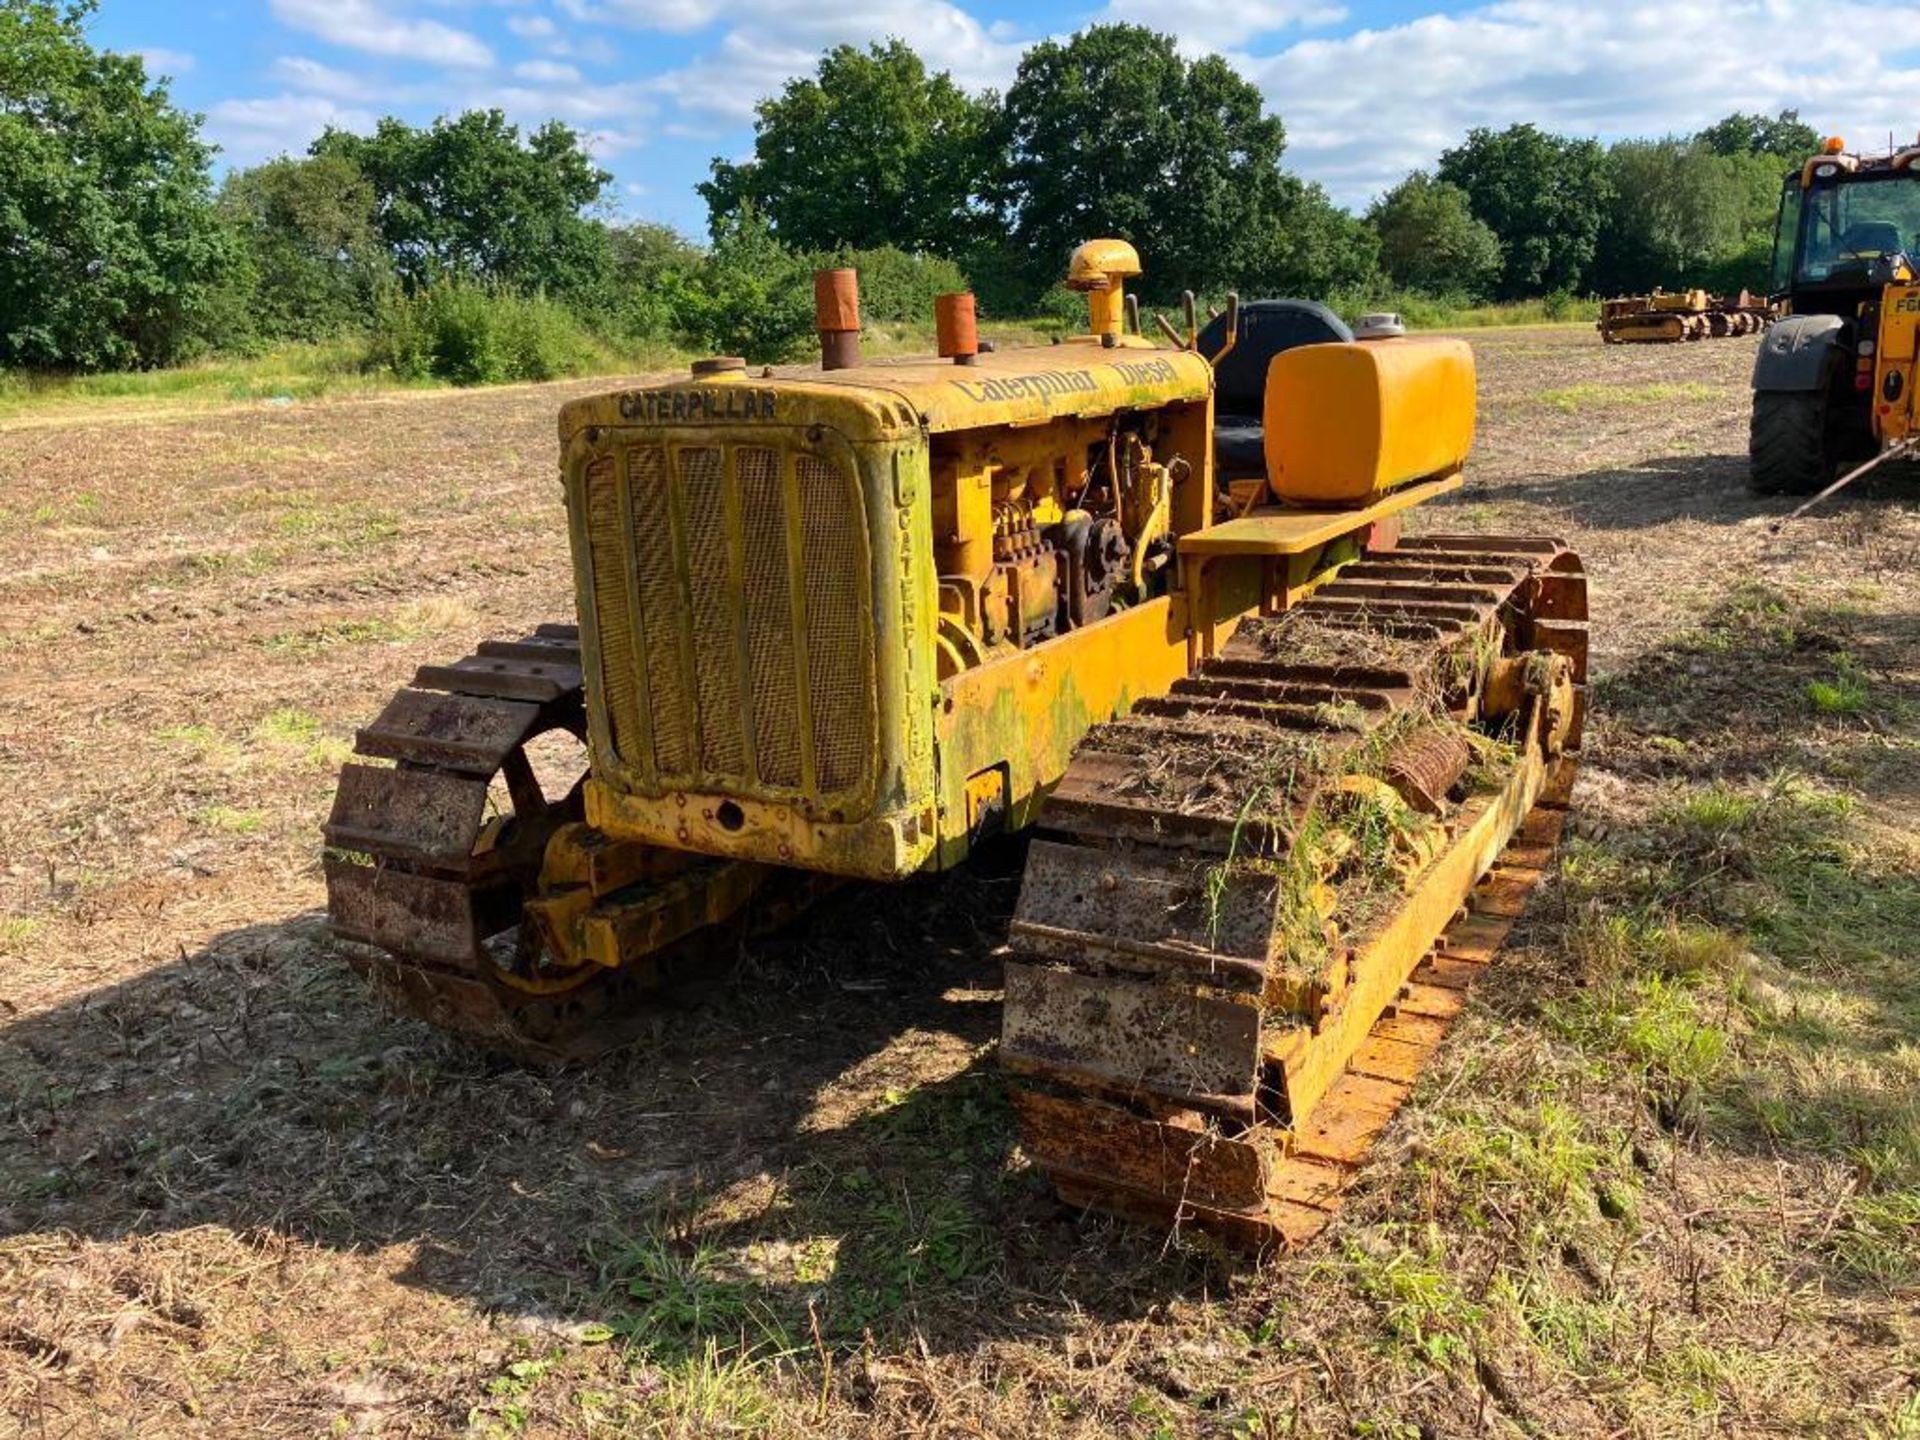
[[1194, 1050], [1426, 765], [956, 328], [836, 316], [1667, 317], [434, 874], [1149, 1085]]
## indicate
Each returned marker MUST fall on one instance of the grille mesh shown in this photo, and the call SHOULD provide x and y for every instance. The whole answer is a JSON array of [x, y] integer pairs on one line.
[[770, 657], [660, 611], [710, 561], [607, 557], [712, 585], [837, 652]]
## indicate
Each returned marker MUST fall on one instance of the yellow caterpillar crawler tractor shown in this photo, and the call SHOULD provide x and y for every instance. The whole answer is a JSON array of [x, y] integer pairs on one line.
[[1288, 776], [1664, 317]]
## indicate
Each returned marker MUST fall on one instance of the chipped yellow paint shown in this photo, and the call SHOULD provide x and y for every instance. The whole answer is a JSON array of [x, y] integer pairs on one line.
[[1029, 709], [889, 399], [1019, 712]]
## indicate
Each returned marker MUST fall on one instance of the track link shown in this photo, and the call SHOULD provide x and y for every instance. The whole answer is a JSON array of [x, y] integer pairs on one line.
[[435, 844], [1254, 904]]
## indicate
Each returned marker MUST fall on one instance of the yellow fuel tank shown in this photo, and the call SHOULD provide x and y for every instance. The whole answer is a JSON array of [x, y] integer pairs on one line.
[[1348, 422]]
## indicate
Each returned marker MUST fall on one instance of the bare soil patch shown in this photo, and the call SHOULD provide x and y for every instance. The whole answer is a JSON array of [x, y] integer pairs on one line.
[[1665, 1179]]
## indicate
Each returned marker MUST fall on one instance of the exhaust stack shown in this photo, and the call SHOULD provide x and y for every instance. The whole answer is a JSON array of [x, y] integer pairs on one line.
[[956, 328], [836, 315]]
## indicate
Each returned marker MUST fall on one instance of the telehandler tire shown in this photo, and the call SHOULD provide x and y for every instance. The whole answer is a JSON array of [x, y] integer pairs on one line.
[[1787, 443]]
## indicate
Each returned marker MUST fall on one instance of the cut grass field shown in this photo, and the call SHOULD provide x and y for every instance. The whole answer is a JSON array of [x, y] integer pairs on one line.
[[1664, 1180]]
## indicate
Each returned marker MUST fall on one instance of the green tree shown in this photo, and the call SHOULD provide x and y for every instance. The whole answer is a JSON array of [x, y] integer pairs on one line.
[[312, 246], [1115, 132], [870, 150], [469, 198], [1314, 249], [651, 271], [109, 247], [753, 297], [1784, 136], [1430, 241], [1685, 214], [1545, 197]]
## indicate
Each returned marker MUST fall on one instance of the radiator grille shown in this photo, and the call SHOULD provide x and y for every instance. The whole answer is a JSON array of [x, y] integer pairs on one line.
[[831, 520], [712, 584], [749, 665], [651, 549], [609, 595], [769, 594]]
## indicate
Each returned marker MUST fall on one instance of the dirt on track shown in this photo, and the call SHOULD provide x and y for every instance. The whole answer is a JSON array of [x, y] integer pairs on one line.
[[237, 1198]]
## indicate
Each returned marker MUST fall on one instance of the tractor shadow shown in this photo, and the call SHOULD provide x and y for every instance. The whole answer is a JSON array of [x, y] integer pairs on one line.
[[1674, 489], [828, 1142], [835, 1112]]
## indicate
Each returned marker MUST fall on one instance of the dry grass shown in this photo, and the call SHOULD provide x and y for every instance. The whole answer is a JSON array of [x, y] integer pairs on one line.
[[1664, 1181]]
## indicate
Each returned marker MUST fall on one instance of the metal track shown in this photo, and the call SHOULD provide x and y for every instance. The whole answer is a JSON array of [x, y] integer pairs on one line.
[[433, 855], [1181, 1061]]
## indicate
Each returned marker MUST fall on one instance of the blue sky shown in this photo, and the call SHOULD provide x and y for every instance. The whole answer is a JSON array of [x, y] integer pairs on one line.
[[1368, 90]]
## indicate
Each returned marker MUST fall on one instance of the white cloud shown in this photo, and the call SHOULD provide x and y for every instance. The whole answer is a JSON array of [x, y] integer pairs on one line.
[[369, 25], [160, 61], [592, 46], [1363, 109], [672, 16], [585, 107], [604, 144], [1207, 25], [249, 131], [317, 79], [547, 72], [772, 41]]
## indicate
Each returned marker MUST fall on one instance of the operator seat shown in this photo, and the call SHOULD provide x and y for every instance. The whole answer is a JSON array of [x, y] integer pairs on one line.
[[1267, 327], [1871, 237]]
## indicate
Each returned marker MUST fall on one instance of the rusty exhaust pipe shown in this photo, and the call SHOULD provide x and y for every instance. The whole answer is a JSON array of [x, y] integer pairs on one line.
[[836, 315], [956, 327]]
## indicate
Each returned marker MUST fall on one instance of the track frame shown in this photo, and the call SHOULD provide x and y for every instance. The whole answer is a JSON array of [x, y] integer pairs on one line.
[[1176, 1077]]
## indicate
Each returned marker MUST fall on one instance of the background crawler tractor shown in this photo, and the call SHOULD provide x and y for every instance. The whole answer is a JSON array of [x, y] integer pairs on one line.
[[1289, 777]]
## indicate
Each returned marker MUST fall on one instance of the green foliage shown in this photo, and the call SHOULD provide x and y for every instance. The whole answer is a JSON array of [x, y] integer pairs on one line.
[[752, 297], [894, 284], [650, 270], [429, 241], [110, 240], [871, 149], [1421, 1304], [1687, 215], [1847, 693], [1317, 249], [311, 245], [468, 198], [471, 334], [1115, 132], [1459, 312], [680, 1294], [1545, 196], [1784, 137], [1430, 241]]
